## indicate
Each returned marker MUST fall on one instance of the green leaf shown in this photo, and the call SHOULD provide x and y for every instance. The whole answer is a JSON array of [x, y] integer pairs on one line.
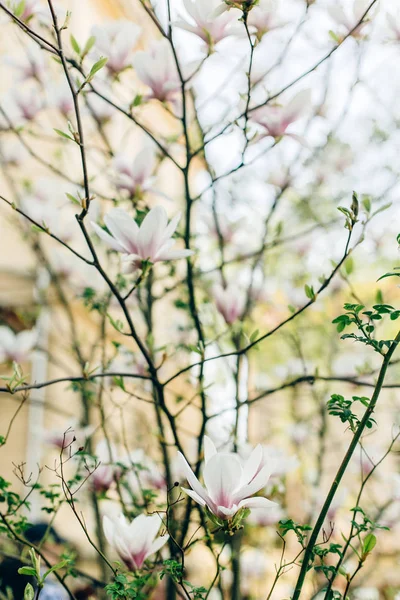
[[63, 134], [29, 592], [254, 335], [73, 199], [369, 543], [75, 44], [96, 67], [89, 45], [309, 290], [27, 571], [37, 229]]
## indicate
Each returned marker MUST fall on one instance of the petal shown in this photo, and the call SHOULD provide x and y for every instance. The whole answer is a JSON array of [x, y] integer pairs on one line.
[[228, 512], [106, 237], [174, 254], [123, 228], [209, 448], [259, 481], [26, 340], [222, 474], [109, 529], [157, 545], [151, 231], [191, 478], [257, 502], [252, 465], [194, 496]]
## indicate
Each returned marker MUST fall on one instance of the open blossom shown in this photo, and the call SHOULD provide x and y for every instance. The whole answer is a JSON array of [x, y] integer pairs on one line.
[[135, 175], [28, 102], [229, 482], [136, 541], [157, 69], [31, 66], [263, 17], [107, 471], [16, 346], [393, 23], [275, 119], [115, 40], [347, 18], [30, 8], [64, 438], [151, 241], [230, 302], [210, 28]]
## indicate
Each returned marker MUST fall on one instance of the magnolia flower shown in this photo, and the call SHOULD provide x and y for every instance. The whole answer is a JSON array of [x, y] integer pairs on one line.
[[30, 8], [107, 471], [157, 69], [263, 17], [135, 175], [102, 110], [116, 40], [136, 541], [230, 302], [31, 66], [28, 102], [210, 28], [275, 119], [348, 18], [61, 98], [13, 153], [229, 483], [151, 241], [16, 346], [393, 23], [64, 438]]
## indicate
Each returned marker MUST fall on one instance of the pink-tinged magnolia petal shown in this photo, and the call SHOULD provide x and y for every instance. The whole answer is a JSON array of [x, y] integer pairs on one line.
[[7, 338], [106, 237], [259, 481], [174, 254], [170, 229], [109, 530], [221, 477], [157, 545], [26, 340], [252, 465], [194, 496], [298, 105], [220, 10], [151, 231], [191, 478], [228, 512], [257, 502], [122, 227], [209, 449]]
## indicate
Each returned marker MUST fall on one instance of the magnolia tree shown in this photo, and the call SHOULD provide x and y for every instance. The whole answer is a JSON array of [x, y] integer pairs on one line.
[[208, 194]]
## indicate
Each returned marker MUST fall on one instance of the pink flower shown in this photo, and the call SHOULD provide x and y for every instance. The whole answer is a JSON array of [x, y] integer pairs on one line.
[[136, 541], [108, 471], [64, 438], [151, 241], [275, 119], [263, 17], [157, 69], [229, 484], [210, 28], [135, 175], [28, 102], [115, 40], [348, 18], [16, 346], [230, 302]]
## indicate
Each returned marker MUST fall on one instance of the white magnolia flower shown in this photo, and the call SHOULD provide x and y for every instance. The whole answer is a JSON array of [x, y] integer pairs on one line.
[[135, 175], [107, 471], [157, 69], [28, 102], [136, 541], [275, 119], [13, 153], [115, 40], [102, 110], [230, 301], [393, 23], [60, 97], [229, 483], [31, 66], [64, 438], [347, 18], [151, 241], [263, 17], [16, 346], [210, 28]]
